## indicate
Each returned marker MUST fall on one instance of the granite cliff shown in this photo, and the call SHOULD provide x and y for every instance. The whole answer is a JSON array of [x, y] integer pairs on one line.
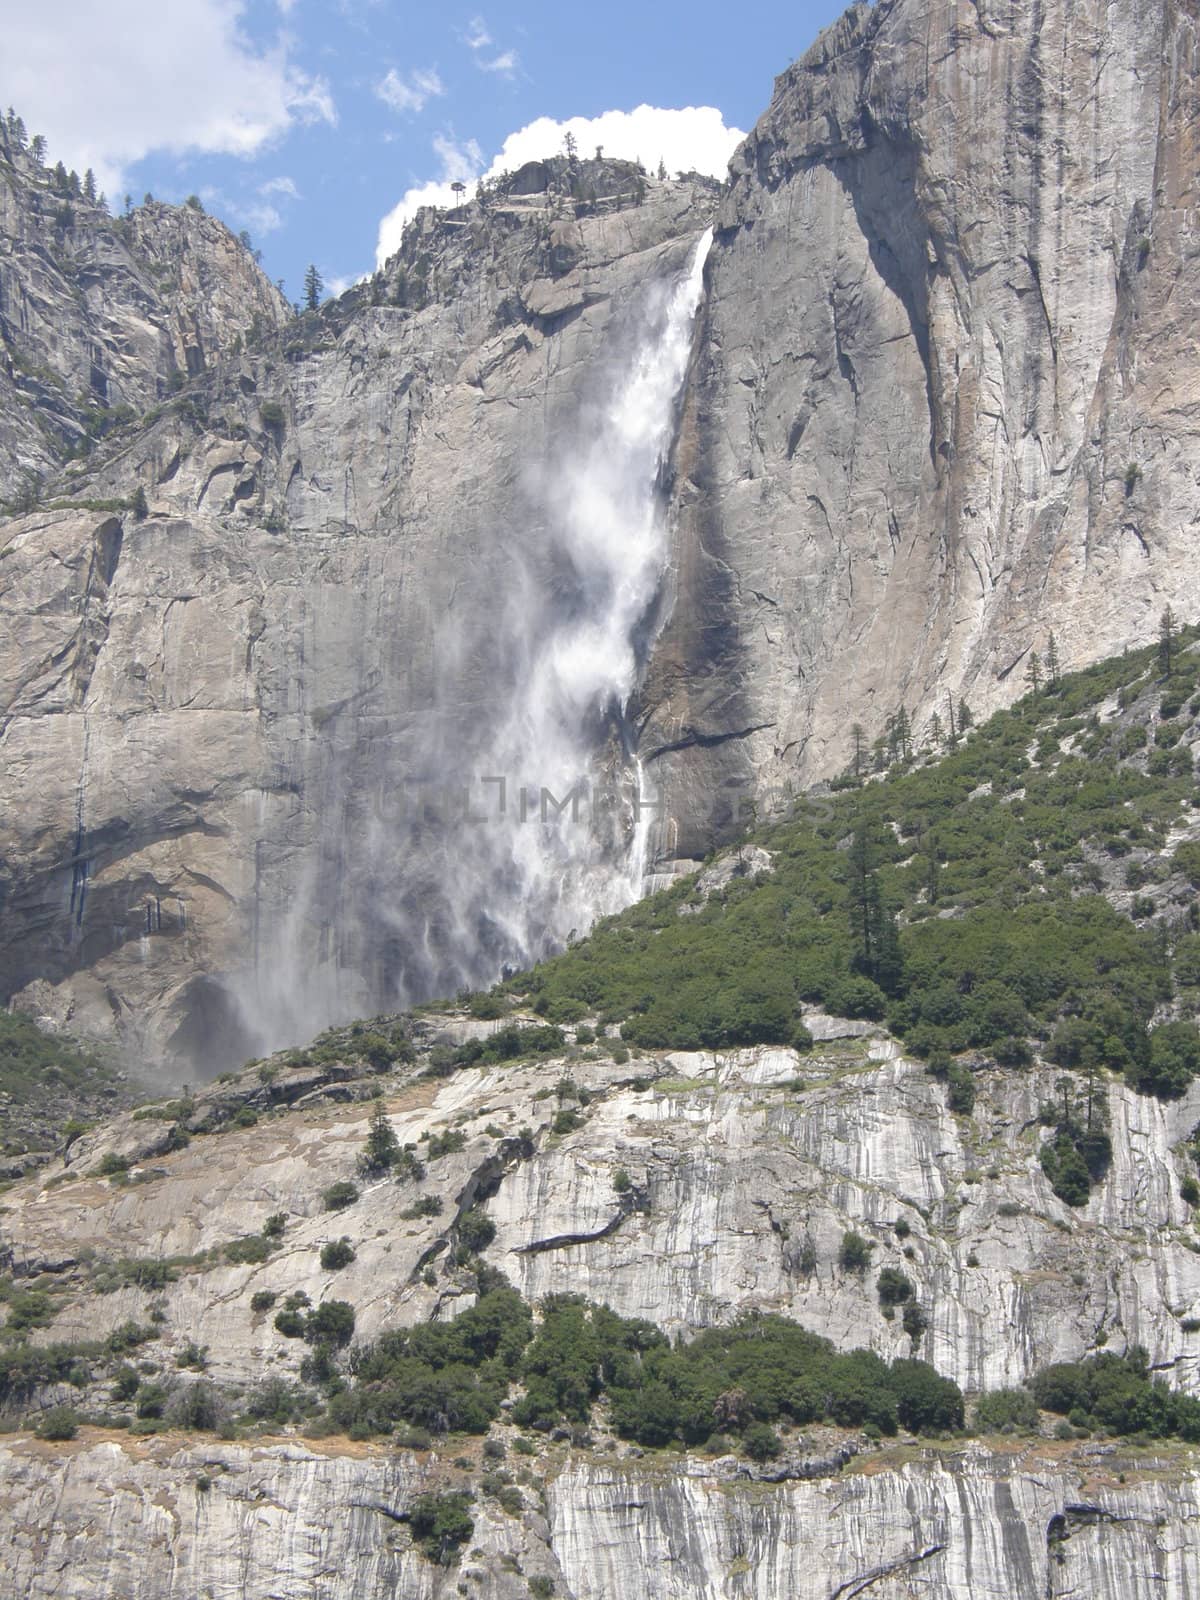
[[942, 404], [937, 407]]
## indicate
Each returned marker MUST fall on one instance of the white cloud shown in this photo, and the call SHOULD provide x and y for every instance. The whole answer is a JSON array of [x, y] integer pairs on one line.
[[505, 63], [477, 39], [411, 96], [337, 286], [461, 163], [257, 211], [259, 216], [692, 139], [108, 84]]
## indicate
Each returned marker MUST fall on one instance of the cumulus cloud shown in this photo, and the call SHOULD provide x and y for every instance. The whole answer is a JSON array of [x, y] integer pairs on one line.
[[109, 84], [412, 94], [692, 139]]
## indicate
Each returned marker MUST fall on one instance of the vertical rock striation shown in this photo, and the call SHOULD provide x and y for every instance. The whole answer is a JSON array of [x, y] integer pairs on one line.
[[945, 403]]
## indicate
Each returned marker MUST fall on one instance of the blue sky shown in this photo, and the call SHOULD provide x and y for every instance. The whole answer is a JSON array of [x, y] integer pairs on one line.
[[308, 121]]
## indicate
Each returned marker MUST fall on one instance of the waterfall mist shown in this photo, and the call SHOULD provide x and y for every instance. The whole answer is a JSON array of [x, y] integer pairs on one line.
[[510, 815]]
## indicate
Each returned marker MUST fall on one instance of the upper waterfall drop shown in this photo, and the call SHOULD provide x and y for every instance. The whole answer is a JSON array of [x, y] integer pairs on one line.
[[568, 852]]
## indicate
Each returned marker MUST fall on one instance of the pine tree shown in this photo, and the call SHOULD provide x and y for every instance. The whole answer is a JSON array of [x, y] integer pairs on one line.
[[933, 880], [662, 170], [1167, 632], [571, 148], [1053, 670], [37, 149], [904, 734], [966, 718], [1033, 673], [862, 876], [89, 185], [936, 734], [138, 504], [314, 286], [873, 926], [382, 1148], [859, 737]]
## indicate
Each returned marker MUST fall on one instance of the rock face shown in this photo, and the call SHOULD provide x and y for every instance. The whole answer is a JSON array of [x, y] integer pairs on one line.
[[945, 402], [733, 1171], [741, 1187], [228, 728], [941, 403], [281, 1522], [99, 318]]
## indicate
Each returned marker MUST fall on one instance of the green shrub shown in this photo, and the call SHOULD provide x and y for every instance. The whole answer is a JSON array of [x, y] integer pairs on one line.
[[151, 1400], [339, 1195], [914, 1322], [29, 1308], [1172, 1063], [1066, 1170], [441, 1524], [925, 1402], [126, 1383], [1006, 1411], [446, 1144], [263, 1300], [59, 1423], [252, 1249], [476, 1230], [1187, 860], [336, 1254], [428, 1205], [331, 1323], [196, 1407], [274, 1225], [1118, 1394], [761, 1442], [274, 1400], [854, 1253], [893, 1287], [488, 1005]]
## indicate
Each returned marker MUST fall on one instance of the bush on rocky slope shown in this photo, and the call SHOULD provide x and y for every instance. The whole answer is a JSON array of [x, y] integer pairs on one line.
[[975, 902]]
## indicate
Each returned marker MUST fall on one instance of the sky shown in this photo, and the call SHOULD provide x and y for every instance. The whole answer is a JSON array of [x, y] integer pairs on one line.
[[319, 125]]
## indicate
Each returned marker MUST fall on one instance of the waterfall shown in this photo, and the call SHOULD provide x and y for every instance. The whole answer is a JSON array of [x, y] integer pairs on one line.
[[529, 821], [544, 870]]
